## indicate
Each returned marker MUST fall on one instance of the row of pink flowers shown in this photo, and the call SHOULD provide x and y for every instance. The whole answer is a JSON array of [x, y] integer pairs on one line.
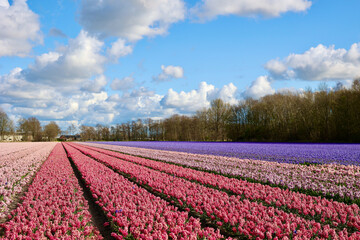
[[17, 168], [329, 179], [331, 211], [243, 216], [54, 206], [7, 148], [133, 211]]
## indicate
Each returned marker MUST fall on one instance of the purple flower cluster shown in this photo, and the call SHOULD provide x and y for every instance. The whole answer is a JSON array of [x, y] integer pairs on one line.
[[347, 154]]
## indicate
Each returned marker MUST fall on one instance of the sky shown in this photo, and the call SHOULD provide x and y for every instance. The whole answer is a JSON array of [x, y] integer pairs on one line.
[[108, 62]]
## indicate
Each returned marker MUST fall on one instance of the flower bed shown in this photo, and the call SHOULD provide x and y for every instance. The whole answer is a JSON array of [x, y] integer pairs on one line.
[[231, 213], [16, 171], [131, 209], [332, 180], [348, 154], [333, 212], [54, 206], [13, 147]]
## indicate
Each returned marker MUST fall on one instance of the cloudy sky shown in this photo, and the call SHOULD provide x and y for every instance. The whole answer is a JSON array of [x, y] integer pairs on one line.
[[106, 61]]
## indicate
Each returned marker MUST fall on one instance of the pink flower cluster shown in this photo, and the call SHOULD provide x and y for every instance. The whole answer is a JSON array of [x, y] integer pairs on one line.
[[11, 148], [330, 179], [54, 206], [18, 164], [133, 211], [331, 211], [243, 216]]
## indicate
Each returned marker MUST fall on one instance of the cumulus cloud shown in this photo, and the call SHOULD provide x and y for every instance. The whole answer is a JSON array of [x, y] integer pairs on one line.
[[139, 103], [122, 84], [92, 105], [168, 73], [318, 64], [97, 85], [228, 94], [75, 64], [119, 49], [20, 28], [65, 85], [48, 103], [209, 9], [131, 20], [16, 90], [194, 100], [259, 88]]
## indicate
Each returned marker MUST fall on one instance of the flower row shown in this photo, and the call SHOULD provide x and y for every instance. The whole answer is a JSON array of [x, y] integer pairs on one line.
[[54, 206], [347, 154], [16, 170], [10, 148], [229, 212], [133, 211], [333, 212], [328, 179]]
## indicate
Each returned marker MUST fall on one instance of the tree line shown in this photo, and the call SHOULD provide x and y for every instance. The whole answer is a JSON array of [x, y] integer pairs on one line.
[[29, 128], [308, 116]]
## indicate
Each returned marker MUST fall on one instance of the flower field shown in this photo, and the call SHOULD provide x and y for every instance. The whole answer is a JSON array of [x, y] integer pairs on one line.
[[345, 154], [334, 180], [144, 193], [18, 164], [54, 205]]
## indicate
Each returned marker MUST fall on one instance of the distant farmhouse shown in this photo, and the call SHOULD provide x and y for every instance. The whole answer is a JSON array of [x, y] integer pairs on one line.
[[70, 137], [14, 137]]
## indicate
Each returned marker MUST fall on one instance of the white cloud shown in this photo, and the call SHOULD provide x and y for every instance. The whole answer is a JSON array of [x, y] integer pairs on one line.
[[259, 88], [194, 100], [20, 28], [139, 103], [131, 20], [169, 72], [16, 90], [97, 85], [75, 64], [209, 9], [279, 70], [122, 84], [228, 94], [48, 103], [119, 49], [318, 64]]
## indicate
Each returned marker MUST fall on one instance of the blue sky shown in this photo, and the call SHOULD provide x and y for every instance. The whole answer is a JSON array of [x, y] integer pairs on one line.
[[104, 61]]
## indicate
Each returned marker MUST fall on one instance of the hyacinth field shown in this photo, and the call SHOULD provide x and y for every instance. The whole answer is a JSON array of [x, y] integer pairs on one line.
[[169, 190]]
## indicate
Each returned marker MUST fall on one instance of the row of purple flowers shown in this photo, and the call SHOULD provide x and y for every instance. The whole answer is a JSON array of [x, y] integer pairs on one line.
[[347, 154]]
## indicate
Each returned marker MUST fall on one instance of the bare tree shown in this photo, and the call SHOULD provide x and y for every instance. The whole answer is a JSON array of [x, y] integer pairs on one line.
[[31, 127], [219, 114], [6, 125], [51, 130], [71, 129], [87, 133]]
